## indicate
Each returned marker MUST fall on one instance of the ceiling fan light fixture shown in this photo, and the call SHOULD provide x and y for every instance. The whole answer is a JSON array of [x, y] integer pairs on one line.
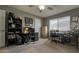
[[41, 7]]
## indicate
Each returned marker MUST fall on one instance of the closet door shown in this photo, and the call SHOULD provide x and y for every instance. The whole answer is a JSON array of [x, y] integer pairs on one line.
[[2, 28], [2, 39], [2, 20]]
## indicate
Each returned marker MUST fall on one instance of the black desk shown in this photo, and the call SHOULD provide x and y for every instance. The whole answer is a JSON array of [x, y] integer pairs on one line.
[[54, 37], [76, 37], [61, 37], [25, 37], [66, 38]]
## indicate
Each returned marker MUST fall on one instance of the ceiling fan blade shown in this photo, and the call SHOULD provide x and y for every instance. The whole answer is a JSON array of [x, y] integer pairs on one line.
[[50, 8], [31, 6], [40, 10]]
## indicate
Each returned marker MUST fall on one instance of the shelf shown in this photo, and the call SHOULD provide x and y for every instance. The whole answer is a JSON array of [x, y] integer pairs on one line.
[[11, 38], [18, 31], [10, 23], [18, 28], [10, 33], [12, 27], [18, 24]]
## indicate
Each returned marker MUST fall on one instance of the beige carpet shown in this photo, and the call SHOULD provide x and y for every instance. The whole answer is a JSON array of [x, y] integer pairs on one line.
[[41, 46]]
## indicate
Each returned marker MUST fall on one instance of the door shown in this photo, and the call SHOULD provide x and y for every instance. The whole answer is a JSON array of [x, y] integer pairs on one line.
[[2, 28], [2, 20], [2, 39]]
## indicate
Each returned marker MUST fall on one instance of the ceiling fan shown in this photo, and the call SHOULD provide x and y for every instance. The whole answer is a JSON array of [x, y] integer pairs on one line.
[[41, 7]]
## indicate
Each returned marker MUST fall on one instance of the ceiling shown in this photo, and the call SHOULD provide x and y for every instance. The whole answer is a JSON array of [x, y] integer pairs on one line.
[[45, 13]]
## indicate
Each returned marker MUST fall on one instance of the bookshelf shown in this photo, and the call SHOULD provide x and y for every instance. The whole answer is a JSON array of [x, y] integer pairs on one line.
[[14, 29]]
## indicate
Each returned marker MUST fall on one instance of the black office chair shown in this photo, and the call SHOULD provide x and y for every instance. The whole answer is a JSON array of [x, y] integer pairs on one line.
[[36, 36], [31, 37]]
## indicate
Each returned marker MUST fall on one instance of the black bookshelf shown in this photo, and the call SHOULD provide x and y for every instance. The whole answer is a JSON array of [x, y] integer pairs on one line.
[[11, 39], [14, 29], [18, 30]]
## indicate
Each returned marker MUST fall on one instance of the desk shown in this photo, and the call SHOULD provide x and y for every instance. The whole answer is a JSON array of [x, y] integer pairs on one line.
[[76, 40], [61, 37], [66, 38], [55, 37], [25, 37]]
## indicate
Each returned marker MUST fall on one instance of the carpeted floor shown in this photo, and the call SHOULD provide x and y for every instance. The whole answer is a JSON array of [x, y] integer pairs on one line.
[[41, 46]]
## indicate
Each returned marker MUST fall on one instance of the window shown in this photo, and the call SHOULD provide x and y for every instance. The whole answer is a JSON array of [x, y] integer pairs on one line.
[[53, 24], [61, 24], [64, 23]]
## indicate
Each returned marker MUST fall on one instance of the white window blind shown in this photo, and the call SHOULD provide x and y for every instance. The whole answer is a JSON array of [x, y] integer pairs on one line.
[[64, 23], [53, 24], [61, 24]]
